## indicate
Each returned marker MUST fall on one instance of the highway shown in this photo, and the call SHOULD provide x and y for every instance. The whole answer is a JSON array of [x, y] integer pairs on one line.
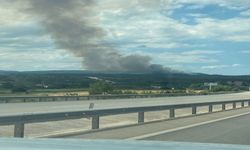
[[231, 131], [43, 107], [228, 127]]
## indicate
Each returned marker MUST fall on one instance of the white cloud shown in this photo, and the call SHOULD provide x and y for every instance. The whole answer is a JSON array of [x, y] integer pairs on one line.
[[220, 66], [178, 58], [10, 14], [171, 4], [134, 23], [199, 52], [39, 59], [152, 29], [172, 58], [236, 65], [214, 67], [235, 29], [245, 13], [232, 4]]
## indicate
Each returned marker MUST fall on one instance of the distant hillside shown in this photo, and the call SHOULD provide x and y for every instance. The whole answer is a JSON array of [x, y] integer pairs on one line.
[[2, 72], [82, 79]]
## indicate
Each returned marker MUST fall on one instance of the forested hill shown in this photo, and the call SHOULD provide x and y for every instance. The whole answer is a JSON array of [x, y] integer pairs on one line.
[[82, 79]]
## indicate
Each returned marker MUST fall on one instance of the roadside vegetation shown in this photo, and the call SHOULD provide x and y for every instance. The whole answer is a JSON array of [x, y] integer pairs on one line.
[[83, 84]]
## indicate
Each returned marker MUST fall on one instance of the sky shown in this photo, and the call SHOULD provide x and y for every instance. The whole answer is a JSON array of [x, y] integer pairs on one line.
[[205, 36]]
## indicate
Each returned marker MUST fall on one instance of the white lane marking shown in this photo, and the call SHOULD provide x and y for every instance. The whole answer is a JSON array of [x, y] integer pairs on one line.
[[184, 127]]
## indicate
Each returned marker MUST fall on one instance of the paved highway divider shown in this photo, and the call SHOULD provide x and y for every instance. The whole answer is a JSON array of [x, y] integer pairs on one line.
[[19, 121], [18, 99]]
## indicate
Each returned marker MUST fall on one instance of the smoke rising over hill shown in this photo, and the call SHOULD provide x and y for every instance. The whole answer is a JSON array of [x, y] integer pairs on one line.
[[73, 25]]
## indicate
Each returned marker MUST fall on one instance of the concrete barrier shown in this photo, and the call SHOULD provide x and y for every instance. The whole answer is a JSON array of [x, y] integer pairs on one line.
[[21, 99]]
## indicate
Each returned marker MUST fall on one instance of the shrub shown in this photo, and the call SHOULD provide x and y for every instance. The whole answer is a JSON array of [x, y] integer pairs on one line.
[[100, 87]]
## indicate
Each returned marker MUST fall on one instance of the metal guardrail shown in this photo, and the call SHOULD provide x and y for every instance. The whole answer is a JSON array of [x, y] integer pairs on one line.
[[20, 120]]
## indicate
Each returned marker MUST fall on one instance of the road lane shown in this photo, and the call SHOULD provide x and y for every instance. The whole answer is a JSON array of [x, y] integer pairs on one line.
[[152, 129], [230, 131], [42, 107]]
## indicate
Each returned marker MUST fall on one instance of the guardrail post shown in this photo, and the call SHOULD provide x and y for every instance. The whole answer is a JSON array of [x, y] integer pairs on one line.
[[171, 113], [194, 110], [248, 103], [210, 108], [242, 104], [234, 105], [95, 122], [53, 98], [140, 117], [19, 130], [223, 107]]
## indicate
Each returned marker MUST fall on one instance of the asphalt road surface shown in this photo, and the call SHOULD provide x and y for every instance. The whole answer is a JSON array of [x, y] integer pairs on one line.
[[227, 127], [230, 131], [43, 107]]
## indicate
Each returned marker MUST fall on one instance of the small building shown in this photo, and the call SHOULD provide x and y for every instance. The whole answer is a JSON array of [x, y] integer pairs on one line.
[[42, 86]]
